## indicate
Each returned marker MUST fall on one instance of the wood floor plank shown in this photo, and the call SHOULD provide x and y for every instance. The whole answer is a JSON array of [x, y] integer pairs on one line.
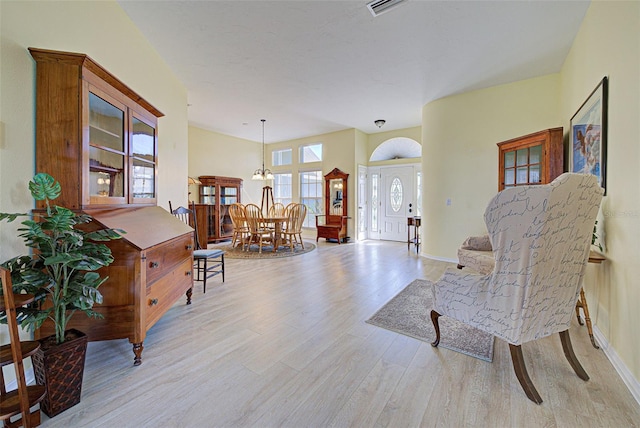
[[284, 343]]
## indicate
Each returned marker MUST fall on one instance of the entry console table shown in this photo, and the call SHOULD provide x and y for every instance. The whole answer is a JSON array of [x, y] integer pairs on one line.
[[413, 223], [598, 258], [99, 139]]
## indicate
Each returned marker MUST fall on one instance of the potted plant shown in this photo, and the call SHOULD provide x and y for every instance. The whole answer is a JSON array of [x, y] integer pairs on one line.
[[61, 273]]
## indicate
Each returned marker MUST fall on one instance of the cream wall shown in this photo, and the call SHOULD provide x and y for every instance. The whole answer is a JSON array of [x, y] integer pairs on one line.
[[104, 32], [460, 162], [608, 44], [460, 156], [338, 151], [211, 153]]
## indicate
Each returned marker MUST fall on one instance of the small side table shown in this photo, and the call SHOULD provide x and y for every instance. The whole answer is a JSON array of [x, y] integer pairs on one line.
[[413, 223], [597, 258]]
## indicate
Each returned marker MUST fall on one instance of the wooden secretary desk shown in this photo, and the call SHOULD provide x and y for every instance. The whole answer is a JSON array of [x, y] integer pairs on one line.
[[99, 139]]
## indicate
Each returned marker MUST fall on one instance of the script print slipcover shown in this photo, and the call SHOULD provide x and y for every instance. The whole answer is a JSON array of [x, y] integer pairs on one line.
[[540, 237]]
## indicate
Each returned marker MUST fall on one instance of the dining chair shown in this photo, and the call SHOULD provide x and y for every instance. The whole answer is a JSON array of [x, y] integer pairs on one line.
[[276, 210], [206, 262], [295, 220], [540, 237], [240, 228], [257, 228]]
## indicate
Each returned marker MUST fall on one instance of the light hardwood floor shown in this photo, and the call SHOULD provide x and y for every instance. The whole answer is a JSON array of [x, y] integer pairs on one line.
[[284, 343]]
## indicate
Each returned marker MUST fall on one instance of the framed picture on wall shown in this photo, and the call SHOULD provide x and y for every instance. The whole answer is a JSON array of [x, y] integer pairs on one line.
[[588, 154]]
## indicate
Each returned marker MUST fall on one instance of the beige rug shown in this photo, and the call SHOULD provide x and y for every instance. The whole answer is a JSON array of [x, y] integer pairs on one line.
[[409, 313], [267, 251]]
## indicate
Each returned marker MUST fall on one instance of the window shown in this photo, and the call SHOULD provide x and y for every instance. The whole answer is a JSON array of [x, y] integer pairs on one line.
[[311, 195], [375, 202], [396, 194], [281, 157], [282, 187], [311, 153]]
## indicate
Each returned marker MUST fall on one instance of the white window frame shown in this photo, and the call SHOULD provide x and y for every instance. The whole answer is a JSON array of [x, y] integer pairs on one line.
[[278, 155], [315, 195], [282, 192], [304, 148]]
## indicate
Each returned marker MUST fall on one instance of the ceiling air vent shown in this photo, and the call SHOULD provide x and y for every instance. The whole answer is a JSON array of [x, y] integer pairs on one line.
[[378, 7]]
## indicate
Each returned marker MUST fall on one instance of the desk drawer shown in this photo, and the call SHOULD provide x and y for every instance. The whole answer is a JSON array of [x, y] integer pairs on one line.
[[167, 255], [162, 294]]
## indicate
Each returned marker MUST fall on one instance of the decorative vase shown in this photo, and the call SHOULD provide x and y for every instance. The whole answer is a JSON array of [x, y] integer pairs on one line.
[[60, 367]]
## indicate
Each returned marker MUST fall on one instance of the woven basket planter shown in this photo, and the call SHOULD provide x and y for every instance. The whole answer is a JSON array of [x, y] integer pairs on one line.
[[60, 368]]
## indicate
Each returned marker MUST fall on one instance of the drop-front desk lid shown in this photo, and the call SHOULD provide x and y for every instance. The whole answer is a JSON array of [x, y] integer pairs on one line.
[[145, 226]]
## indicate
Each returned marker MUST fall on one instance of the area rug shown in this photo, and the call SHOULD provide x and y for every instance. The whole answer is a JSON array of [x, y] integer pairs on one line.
[[267, 251], [409, 313]]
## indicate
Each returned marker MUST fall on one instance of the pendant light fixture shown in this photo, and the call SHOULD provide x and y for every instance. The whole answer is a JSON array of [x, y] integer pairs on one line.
[[262, 174]]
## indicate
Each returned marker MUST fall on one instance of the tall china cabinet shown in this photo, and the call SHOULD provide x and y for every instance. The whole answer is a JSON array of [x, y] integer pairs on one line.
[[531, 159], [99, 139], [216, 194]]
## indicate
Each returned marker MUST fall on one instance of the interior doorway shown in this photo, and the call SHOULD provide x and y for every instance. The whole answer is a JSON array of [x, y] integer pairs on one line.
[[397, 203], [394, 195]]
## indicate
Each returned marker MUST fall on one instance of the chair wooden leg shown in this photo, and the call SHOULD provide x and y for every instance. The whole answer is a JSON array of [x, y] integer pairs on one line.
[[222, 258], [204, 269], [522, 375], [571, 356], [436, 325]]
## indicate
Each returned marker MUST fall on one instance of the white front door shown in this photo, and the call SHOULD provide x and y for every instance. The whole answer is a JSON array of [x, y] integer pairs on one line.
[[398, 202]]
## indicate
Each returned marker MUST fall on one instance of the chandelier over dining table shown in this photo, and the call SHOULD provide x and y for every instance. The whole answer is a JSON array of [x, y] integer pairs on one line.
[[262, 173]]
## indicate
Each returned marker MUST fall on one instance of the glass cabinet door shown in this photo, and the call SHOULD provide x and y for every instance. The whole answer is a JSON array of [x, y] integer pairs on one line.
[[228, 195], [523, 166], [208, 195], [143, 156], [106, 150]]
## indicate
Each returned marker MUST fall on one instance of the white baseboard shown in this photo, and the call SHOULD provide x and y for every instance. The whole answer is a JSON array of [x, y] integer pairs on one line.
[[627, 377], [440, 259]]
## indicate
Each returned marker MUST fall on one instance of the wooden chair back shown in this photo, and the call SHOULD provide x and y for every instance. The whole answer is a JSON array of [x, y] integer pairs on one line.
[[277, 210], [188, 216], [295, 218], [238, 216], [254, 218]]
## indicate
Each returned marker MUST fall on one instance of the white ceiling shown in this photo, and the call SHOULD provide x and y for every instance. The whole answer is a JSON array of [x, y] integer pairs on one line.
[[311, 67]]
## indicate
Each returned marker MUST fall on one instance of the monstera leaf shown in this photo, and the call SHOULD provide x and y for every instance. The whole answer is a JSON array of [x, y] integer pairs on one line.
[[43, 187]]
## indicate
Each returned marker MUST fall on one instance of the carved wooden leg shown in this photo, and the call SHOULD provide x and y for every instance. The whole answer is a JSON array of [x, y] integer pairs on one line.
[[578, 306], [137, 351], [522, 375], [434, 320], [189, 293], [587, 319], [571, 356]]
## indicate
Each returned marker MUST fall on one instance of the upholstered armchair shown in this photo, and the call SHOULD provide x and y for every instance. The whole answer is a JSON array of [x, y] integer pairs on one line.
[[476, 253], [540, 236]]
